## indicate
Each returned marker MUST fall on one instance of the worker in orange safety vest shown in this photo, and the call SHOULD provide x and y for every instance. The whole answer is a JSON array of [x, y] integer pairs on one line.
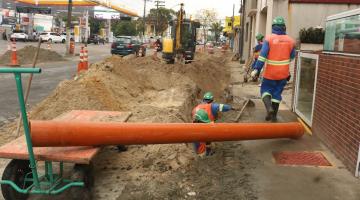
[[277, 52], [211, 109]]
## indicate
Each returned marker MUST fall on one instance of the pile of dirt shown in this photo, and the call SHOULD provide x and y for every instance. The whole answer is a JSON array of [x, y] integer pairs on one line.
[[27, 54], [155, 92]]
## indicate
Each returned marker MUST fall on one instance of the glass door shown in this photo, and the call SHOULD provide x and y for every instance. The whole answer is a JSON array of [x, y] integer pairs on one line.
[[306, 73]]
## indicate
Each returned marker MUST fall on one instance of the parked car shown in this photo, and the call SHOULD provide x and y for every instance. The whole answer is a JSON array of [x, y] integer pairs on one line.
[[96, 39], [125, 45], [51, 37], [19, 36], [63, 36]]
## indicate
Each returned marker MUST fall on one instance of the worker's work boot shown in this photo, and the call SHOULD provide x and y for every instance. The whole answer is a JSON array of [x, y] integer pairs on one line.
[[276, 109], [269, 107]]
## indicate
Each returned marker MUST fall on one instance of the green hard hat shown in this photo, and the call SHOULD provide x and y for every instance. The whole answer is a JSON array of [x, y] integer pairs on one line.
[[279, 21], [202, 116], [259, 36], [208, 96]]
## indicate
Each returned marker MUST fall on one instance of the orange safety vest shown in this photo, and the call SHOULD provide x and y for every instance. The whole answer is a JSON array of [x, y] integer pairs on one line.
[[278, 60], [207, 108]]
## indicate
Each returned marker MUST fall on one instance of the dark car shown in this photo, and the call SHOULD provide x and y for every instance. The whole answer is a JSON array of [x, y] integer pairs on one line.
[[126, 45], [95, 39]]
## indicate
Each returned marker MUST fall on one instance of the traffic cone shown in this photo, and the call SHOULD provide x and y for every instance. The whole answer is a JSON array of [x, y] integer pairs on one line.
[[81, 63], [140, 52], [14, 61], [49, 46], [85, 64]]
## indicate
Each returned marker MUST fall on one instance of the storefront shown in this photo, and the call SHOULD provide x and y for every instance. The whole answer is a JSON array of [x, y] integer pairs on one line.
[[327, 88]]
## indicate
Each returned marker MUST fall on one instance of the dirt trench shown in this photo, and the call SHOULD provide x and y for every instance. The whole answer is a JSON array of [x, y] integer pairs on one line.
[[156, 92]]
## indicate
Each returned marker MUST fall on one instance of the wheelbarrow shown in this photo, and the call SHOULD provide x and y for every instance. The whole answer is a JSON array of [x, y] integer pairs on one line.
[[21, 176]]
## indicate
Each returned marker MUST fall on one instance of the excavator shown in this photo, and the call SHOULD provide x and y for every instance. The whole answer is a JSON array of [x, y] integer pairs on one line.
[[181, 44]]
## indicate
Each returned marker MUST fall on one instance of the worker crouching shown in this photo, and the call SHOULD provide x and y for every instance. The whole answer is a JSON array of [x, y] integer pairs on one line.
[[277, 52], [211, 111]]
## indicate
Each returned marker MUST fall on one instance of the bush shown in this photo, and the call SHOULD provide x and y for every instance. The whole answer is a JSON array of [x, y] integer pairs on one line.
[[312, 35]]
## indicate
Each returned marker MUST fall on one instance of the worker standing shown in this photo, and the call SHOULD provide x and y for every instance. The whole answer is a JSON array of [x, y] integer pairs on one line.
[[211, 109], [277, 52], [257, 48]]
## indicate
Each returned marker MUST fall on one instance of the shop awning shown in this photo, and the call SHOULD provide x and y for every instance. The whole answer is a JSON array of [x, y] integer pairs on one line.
[[108, 4]]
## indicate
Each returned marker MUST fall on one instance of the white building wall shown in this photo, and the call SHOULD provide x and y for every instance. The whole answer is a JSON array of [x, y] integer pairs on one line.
[[311, 15]]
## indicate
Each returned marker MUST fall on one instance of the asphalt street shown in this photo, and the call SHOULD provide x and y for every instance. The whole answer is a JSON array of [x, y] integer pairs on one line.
[[44, 83]]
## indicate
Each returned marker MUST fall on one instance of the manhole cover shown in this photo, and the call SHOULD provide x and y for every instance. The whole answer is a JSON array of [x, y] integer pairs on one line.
[[301, 158]]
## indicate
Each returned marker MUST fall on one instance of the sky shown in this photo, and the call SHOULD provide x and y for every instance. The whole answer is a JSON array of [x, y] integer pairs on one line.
[[222, 7]]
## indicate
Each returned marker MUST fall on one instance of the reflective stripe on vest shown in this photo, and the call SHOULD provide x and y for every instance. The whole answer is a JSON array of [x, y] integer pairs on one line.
[[207, 108], [278, 60]]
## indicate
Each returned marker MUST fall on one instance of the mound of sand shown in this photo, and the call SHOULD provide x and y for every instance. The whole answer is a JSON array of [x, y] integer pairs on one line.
[[26, 56], [154, 92], [139, 85]]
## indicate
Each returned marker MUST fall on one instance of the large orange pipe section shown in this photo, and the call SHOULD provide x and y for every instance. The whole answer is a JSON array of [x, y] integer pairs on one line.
[[62, 133]]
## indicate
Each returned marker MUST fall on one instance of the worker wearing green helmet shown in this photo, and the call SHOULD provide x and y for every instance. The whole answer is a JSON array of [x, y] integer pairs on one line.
[[256, 52], [277, 52], [210, 107], [207, 112]]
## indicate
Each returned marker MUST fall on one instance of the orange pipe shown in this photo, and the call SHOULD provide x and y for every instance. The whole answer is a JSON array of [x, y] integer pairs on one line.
[[67, 133]]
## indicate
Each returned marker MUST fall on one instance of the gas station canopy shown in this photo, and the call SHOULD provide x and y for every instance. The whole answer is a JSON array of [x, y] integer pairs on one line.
[[108, 4]]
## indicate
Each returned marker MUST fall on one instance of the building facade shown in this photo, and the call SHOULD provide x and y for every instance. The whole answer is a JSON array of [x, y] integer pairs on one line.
[[327, 86], [298, 14]]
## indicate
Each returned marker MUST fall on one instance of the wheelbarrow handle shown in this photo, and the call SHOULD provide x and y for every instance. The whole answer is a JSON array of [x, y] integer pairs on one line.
[[19, 70]]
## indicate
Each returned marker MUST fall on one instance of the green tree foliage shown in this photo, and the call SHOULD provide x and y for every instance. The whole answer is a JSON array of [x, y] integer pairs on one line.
[[216, 28], [128, 28], [312, 35], [206, 17], [164, 15], [96, 25]]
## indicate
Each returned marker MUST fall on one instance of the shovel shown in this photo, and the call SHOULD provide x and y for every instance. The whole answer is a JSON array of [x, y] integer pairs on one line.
[[247, 103]]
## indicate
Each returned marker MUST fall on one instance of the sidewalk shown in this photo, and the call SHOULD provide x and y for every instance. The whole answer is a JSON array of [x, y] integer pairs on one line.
[[295, 182]]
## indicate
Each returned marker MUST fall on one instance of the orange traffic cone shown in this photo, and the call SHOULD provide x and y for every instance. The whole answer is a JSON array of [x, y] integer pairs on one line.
[[49, 46], [14, 61], [85, 64], [81, 63]]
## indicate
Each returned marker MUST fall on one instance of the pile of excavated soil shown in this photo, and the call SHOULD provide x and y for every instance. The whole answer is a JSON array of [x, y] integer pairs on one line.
[[155, 92], [27, 54]]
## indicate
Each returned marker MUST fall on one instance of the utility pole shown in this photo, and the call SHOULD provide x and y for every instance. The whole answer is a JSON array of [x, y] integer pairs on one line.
[[232, 28], [144, 16], [159, 4], [68, 27], [241, 38]]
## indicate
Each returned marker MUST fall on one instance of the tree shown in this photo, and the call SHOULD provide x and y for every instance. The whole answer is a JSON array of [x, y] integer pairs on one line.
[[216, 28], [128, 28], [163, 16], [206, 17], [95, 25]]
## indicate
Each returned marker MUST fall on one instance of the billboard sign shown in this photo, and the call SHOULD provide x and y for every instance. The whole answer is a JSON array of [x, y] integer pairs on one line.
[[105, 13]]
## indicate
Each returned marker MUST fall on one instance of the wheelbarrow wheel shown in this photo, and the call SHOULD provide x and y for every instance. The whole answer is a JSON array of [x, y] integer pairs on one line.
[[82, 172], [16, 171]]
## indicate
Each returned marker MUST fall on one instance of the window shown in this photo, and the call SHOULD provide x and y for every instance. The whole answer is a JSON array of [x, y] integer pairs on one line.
[[342, 34], [305, 86], [125, 40]]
